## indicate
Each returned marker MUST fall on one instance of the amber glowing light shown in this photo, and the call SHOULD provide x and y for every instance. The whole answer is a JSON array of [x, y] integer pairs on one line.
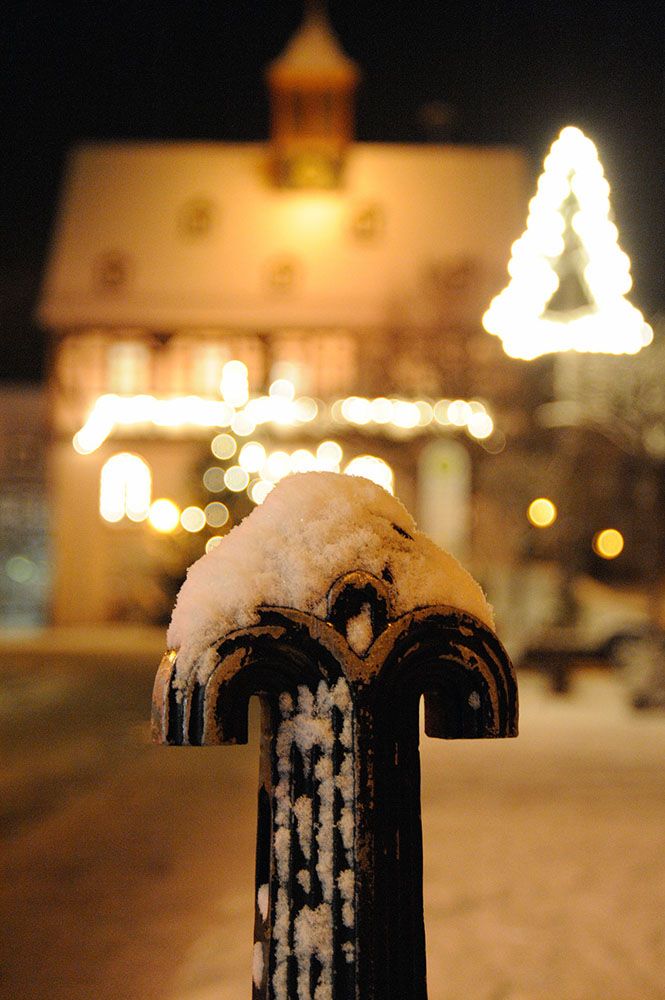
[[541, 512], [608, 544]]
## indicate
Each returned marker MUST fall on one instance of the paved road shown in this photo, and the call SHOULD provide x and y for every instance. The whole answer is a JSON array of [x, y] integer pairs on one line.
[[126, 870]]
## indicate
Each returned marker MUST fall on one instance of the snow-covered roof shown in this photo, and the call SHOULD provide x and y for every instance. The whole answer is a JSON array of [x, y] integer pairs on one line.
[[311, 529], [170, 235]]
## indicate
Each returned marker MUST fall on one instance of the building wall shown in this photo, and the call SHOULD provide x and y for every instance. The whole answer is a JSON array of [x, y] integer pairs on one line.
[[161, 236], [169, 259]]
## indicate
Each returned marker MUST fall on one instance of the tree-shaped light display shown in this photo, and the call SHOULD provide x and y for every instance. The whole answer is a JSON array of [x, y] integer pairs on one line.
[[568, 275]]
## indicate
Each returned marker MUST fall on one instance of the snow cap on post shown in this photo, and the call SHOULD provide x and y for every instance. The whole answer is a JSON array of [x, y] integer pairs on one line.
[[312, 529]]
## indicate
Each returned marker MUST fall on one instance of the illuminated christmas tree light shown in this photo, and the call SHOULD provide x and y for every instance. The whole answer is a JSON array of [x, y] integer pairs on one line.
[[568, 274]]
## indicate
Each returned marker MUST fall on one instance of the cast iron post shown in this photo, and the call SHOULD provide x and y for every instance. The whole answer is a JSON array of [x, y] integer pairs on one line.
[[339, 903]]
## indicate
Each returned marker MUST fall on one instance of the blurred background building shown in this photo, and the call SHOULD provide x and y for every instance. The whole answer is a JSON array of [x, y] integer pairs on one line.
[[219, 314], [304, 292]]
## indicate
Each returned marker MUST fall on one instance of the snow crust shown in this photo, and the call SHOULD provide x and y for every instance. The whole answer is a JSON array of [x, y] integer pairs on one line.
[[324, 750], [257, 964], [311, 529]]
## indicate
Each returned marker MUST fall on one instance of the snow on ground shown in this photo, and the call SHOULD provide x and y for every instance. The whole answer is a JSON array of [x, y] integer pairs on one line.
[[126, 870], [544, 860], [545, 875]]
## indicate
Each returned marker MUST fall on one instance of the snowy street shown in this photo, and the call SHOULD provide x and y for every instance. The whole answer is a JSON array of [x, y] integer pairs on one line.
[[127, 869]]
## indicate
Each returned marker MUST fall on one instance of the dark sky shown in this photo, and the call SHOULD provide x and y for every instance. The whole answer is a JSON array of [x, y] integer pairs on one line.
[[511, 72]]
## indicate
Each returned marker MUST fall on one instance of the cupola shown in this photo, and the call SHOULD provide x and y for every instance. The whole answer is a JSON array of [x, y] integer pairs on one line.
[[312, 85]]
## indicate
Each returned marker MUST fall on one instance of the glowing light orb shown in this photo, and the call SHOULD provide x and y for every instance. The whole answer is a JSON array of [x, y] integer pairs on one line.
[[164, 516], [371, 467], [405, 415], [193, 519], [283, 387], [213, 479], [480, 425], [223, 446], [541, 512], [382, 410], [236, 479], [125, 486], [608, 544], [328, 456], [216, 514], [303, 460], [259, 490], [243, 424], [357, 410], [20, 569], [441, 412], [252, 456], [278, 465], [459, 412]]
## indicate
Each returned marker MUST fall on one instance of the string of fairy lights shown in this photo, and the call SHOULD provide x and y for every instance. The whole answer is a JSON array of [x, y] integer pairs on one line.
[[241, 463], [280, 408], [244, 463]]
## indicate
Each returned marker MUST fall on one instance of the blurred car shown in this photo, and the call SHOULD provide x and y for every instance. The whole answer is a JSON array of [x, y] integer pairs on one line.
[[551, 624]]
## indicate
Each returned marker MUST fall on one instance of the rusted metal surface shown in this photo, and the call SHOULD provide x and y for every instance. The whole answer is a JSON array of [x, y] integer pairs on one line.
[[339, 910]]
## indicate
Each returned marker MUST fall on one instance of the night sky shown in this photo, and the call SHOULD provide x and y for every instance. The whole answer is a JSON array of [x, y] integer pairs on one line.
[[502, 73]]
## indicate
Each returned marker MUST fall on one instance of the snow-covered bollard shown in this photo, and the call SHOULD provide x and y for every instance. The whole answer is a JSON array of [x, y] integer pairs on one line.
[[328, 604]]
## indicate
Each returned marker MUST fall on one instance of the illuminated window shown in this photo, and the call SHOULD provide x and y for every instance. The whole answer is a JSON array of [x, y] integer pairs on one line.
[[125, 488], [234, 384], [209, 358], [128, 367], [193, 360], [325, 359]]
